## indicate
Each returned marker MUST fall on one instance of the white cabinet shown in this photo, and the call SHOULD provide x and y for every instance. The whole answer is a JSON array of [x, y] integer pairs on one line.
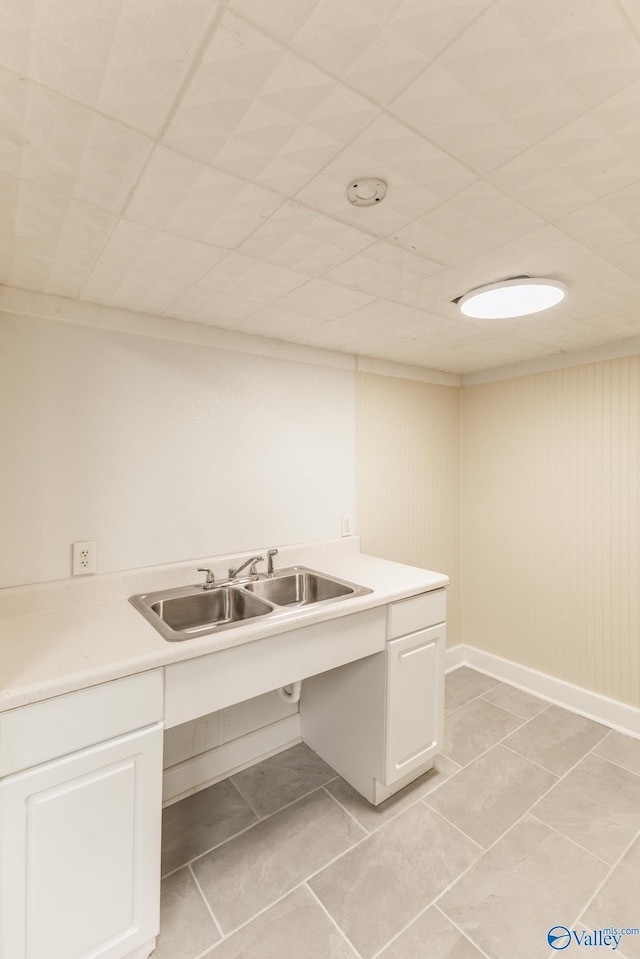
[[80, 834], [379, 721], [414, 702]]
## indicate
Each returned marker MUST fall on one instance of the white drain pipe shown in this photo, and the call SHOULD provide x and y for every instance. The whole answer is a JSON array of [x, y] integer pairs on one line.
[[291, 694]]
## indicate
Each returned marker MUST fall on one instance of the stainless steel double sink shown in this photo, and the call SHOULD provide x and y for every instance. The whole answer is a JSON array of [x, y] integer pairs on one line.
[[190, 611]]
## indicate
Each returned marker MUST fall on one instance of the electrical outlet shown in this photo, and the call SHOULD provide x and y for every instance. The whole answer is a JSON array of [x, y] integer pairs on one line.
[[347, 525], [83, 558]]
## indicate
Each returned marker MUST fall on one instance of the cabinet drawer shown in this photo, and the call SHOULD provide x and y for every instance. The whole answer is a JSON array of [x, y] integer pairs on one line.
[[417, 612], [35, 734]]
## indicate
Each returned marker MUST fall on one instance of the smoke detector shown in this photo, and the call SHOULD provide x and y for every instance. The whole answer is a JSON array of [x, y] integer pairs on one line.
[[366, 191]]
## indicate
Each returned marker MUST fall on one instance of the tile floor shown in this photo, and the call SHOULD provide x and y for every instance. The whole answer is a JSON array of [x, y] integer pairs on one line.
[[530, 819]]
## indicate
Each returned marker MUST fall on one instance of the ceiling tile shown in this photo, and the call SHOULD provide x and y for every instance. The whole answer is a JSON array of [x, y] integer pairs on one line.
[[336, 335], [608, 223], [381, 269], [205, 304], [595, 286], [183, 196], [553, 329], [546, 251], [327, 301], [475, 221], [304, 240], [520, 72], [436, 292], [48, 242], [280, 323], [124, 58], [419, 177], [242, 276], [378, 47], [573, 166], [57, 143], [146, 270], [382, 316], [259, 111]]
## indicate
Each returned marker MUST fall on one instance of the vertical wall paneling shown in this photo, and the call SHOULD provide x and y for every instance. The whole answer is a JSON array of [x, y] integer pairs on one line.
[[408, 477], [551, 534]]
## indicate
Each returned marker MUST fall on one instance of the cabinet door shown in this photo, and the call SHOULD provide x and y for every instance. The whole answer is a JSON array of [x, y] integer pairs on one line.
[[414, 701], [80, 864]]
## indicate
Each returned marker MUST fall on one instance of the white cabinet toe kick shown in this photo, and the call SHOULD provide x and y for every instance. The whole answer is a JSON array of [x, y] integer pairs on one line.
[[81, 774]]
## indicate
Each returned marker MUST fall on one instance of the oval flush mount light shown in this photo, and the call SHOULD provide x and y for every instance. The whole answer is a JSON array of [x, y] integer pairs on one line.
[[519, 296], [366, 191]]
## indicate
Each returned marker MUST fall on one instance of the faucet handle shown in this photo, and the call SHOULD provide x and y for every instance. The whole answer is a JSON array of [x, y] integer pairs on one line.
[[210, 580], [270, 554]]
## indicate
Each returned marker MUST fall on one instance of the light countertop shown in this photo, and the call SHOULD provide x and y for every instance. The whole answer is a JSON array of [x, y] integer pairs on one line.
[[59, 637]]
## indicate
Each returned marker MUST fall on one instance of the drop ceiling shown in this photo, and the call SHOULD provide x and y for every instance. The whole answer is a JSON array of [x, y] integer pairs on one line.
[[189, 158]]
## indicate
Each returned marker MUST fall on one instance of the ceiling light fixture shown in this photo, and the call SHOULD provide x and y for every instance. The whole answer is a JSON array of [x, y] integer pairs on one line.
[[518, 296]]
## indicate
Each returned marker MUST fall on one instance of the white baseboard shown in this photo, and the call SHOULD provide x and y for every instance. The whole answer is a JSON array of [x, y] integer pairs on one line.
[[208, 768], [602, 709]]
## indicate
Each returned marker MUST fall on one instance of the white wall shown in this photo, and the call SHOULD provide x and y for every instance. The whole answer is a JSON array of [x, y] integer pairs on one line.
[[162, 451]]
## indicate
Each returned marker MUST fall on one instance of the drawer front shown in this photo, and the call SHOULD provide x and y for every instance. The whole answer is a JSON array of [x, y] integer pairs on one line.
[[417, 612], [35, 734]]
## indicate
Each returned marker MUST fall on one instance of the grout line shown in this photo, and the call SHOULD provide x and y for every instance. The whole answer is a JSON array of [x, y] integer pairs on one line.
[[189, 862], [206, 902], [347, 811], [331, 919], [608, 876], [533, 762], [463, 933], [246, 829], [459, 829], [247, 800], [574, 842]]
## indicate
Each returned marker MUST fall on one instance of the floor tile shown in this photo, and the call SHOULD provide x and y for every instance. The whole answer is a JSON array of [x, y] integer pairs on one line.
[[380, 886], [275, 782], [464, 684], [196, 824], [186, 926], [296, 927], [617, 902], [251, 871], [515, 700], [431, 936], [530, 881], [597, 805], [474, 728], [620, 749], [490, 795], [556, 739], [371, 817]]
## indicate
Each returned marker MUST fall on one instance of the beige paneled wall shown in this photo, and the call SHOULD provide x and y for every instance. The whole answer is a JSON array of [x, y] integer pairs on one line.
[[550, 523], [408, 477]]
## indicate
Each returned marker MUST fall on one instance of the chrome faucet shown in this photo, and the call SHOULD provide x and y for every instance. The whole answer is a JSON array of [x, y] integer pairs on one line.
[[251, 563], [210, 581]]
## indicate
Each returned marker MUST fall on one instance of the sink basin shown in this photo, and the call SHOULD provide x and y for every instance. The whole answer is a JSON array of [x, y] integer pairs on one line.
[[190, 611], [300, 588], [182, 613]]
